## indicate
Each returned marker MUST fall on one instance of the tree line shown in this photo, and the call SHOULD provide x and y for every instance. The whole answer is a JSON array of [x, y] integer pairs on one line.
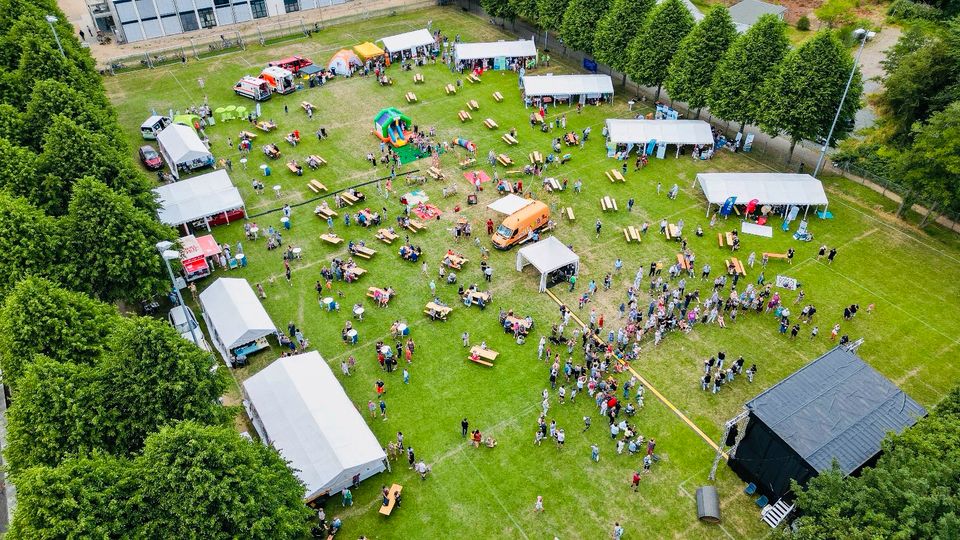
[[115, 426]]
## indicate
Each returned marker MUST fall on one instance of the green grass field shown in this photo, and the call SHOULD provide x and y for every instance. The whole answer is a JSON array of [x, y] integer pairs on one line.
[[911, 277]]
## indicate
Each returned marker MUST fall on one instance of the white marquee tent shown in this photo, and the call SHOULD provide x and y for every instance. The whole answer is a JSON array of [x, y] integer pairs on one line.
[[509, 204], [299, 407], [182, 147], [234, 315], [591, 86], [196, 198], [523, 48], [768, 188], [546, 256], [407, 41], [663, 131]]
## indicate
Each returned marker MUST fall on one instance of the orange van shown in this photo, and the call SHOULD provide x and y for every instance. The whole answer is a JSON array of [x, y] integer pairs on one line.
[[518, 227]]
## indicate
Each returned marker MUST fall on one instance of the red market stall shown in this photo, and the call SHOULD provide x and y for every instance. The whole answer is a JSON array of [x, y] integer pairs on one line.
[[195, 253]]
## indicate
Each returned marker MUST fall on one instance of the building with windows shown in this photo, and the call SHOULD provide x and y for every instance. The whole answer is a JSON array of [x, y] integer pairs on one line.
[[138, 20]]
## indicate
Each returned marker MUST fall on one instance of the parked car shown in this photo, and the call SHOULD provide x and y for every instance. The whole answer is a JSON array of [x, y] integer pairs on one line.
[[179, 323], [150, 158]]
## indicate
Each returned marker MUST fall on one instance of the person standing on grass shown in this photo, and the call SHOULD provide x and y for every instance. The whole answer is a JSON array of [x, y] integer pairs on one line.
[[617, 531], [383, 410], [464, 427], [465, 338], [598, 226], [822, 251], [346, 497], [538, 506], [595, 453], [635, 481], [831, 255], [561, 438], [406, 376], [373, 408]]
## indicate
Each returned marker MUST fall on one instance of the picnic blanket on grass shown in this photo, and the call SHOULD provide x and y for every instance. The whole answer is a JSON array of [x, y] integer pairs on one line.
[[426, 211]]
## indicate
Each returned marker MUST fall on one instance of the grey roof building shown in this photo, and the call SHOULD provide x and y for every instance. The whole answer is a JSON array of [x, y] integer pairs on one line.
[[746, 13]]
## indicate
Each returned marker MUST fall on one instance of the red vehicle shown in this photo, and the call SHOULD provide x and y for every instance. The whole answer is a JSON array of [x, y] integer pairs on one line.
[[292, 64], [150, 158]]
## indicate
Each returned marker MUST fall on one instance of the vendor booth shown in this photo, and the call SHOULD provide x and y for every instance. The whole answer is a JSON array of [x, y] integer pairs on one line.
[[237, 322], [202, 201], [495, 54], [509, 204], [773, 189], [195, 255], [415, 43], [551, 88], [555, 261], [183, 150], [650, 134], [297, 406], [368, 51]]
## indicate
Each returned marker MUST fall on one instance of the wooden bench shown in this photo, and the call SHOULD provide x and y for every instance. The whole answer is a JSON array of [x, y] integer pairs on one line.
[[248, 135], [683, 262], [414, 226], [569, 213], [387, 509], [348, 199], [411, 97], [490, 123], [437, 311], [473, 78], [435, 173], [363, 252], [536, 157], [464, 116], [720, 239], [733, 265], [498, 97], [473, 105], [782, 256], [608, 203], [450, 89], [504, 160], [631, 234], [386, 236], [331, 238], [509, 139], [418, 78]]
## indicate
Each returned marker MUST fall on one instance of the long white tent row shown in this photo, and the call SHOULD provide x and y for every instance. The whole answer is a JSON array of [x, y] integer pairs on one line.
[[408, 41], [198, 198], [641, 132], [298, 406], [509, 204], [182, 149], [495, 53], [547, 255], [767, 188], [237, 321], [565, 86]]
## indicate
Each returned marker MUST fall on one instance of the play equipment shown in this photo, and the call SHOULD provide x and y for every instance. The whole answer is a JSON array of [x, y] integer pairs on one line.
[[342, 61], [391, 126], [469, 145]]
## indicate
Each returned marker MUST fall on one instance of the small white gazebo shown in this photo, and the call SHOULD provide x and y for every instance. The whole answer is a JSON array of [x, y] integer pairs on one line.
[[509, 204], [546, 256]]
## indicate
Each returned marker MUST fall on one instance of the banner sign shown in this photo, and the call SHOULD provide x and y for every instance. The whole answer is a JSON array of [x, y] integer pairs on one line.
[[727, 207]]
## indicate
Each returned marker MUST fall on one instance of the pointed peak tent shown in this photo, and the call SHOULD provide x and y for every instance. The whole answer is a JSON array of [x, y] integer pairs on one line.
[[343, 60]]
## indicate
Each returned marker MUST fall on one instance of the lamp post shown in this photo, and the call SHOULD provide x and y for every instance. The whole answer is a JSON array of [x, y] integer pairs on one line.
[[163, 247], [50, 20], [863, 36]]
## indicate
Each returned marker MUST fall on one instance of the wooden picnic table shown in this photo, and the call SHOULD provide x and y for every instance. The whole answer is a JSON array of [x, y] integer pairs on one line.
[[387, 509], [538, 117], [435, 173], [536, 157], [418, 78], [266, 125], [554, 185], [325, 213], [478, 295], [464, 116], [411, 97], [454, 261], [373, 291], [570, 215], [317, 186], [672, 232], [523, 322], [608, 203], [498, 96], [486, 354], [306, 105], [504, 160], [631, 233], [247, 135], [473, 105], [509, 139], [386, 236], [490, 123], [414, 225], [683, 262], [355, 270], [437, 311], [364, 252], [331, 238], [735, 266], [450, 89], [348, 198]]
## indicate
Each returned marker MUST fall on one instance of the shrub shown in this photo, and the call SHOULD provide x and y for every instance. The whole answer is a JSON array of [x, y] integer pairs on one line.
[[803, 23], [906, 10]]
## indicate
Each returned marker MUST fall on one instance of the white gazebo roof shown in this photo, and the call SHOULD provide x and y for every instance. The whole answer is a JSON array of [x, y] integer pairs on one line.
[[768, 188], [495, 49], [306, 415], [181, 144], [567, 85], [662, 131], [407, 41], [196, 198], [546, 256], [234, 313], [509, 204]]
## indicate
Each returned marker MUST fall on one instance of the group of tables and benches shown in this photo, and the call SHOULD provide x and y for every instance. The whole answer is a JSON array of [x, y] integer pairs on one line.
[[735, 266], [608, 203], [484, 357], [386, 236], [316, 187], [509, 139], [615, 176], [490, 123], [464, 116], [411, 97], [436, 311], [631, 234], [672, 232]]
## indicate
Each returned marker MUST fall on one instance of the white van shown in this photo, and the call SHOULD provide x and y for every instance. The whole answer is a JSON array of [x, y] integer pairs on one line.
[[179, 323], [280, 80], [153, 125], [253, 88]]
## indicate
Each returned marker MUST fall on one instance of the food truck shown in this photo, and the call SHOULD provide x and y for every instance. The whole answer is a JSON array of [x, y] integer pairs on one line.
[[195, 255]]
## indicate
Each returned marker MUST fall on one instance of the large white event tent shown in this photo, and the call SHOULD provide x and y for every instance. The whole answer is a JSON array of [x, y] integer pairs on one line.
[[235, 317], [407, 41], [509, 204], [564, 86], [298, 406], [182, 148], [767, 188], [523, 48], [546, 256], [663, 131], [200, 197]]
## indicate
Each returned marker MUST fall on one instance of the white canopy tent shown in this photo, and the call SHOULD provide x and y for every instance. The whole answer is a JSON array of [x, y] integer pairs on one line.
[[509, 204], [523, 48], [298, 406], [663, 131], [197, 198], [407, 41], [564, 86], [234, 315], [768, 188], [546, 256], [182, 148]]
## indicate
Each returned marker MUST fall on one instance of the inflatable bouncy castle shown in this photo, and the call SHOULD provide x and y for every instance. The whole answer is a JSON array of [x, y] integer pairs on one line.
[[392, 126]]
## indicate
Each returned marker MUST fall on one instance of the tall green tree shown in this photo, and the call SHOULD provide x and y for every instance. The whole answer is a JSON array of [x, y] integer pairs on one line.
[[580, 23], [126, 265], [527, 9], [30, 242], [932, 165], [697, 57], [801, 99], [18, 168], [653, 48], [736, 89], [551, 14], [40, 317], [500, 9], [615, 30], [50, 98]]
